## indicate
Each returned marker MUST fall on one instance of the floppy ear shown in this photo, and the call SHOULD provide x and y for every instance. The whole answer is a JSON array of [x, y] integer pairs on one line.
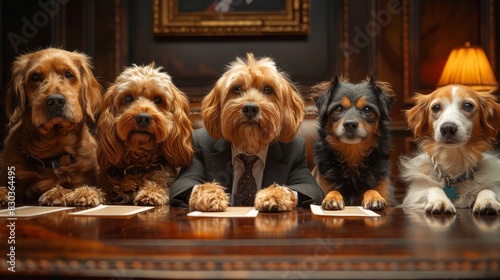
[[109, 147], [292, 113], [16, 99], [385, 96], [91, 91], [417, 116], [489, 113], [211, 109], [178, 149]]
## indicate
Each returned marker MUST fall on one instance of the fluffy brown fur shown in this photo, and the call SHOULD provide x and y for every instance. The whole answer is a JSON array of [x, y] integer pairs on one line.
[[280, 112], [50, 98], [144, 133]]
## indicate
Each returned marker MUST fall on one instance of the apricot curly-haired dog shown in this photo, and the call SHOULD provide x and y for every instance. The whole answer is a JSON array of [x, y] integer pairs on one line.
[[253, 110], [50, 99], [353, 147], [143, 134], [456, 166]]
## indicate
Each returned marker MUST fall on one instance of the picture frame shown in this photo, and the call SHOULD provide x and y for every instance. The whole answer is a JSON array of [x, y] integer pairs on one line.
[[230, 17]]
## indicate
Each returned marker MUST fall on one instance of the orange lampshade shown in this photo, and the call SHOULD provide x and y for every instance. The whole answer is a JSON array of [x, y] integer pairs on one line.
[[468, 66]]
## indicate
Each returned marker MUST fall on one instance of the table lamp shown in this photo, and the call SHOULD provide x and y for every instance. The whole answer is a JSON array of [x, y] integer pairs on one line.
[[468, 66]]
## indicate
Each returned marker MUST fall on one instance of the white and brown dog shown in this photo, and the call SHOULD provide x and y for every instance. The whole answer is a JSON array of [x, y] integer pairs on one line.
[[143, 134], [455, 127], [254, 110]]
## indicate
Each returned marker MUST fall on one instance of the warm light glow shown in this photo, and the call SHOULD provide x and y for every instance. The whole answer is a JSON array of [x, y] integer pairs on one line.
[[468, 66]]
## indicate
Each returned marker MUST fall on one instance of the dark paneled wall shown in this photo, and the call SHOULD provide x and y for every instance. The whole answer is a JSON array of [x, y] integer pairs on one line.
[[403, 42]]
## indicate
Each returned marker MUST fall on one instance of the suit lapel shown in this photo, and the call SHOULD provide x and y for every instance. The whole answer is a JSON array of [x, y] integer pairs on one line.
[[275, 171], [222, 168]]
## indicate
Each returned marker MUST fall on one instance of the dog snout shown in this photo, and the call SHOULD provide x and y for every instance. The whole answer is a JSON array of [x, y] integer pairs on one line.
[[448, 129], [250, 110], [350, 125], [143, 119], [55, 101]]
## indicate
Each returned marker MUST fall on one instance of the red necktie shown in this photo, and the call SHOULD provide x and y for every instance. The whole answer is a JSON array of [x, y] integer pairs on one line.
[[245, 194]]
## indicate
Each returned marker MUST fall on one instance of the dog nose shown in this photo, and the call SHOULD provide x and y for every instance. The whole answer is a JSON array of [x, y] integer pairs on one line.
[[55, 101], [250, 110], [143, 119], [350, 125], [448, 129]]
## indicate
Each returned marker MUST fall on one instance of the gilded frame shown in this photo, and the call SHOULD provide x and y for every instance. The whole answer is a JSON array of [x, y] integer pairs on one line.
[[168, 20]]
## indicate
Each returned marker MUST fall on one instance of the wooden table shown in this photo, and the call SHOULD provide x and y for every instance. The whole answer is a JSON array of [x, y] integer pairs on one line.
[[165, 243]]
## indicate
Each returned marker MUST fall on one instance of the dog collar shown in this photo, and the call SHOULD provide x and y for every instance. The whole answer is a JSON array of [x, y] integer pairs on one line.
[[54, 162], [450, 189], [136, 170], [468, 175]]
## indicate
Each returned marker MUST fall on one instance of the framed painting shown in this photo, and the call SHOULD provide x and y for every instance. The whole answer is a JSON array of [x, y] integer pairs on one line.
[[230, 17]]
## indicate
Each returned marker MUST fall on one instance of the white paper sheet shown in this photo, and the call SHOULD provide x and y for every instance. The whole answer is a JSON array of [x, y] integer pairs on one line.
[[112, 210], [348, 211], [231, 212], [31, 211]]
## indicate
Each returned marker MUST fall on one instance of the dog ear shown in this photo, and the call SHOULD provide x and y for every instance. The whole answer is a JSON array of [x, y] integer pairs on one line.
[[16, 99], [110, 148], [179, 149], [322, 94], [489, 113], [293, 110], [91, 91], [417, 116], [211, 109], [385, 96]]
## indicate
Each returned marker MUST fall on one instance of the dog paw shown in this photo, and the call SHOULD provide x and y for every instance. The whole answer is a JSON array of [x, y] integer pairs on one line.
[[85, 196], [275, 198], [56, 196], [486, 203], [4, 196], [372, 200], [333, 201], [151, 196], [209, 197], [440, 206]]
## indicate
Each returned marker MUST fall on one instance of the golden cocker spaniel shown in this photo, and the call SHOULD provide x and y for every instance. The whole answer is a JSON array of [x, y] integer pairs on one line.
[[49, 151]]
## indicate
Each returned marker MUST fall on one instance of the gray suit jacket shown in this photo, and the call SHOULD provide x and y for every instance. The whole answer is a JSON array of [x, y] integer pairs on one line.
[[285, 165]]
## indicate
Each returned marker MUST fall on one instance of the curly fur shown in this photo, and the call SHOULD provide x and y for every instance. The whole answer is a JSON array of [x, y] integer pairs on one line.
[[144, 127], [45, 131], [350, 166], [280, 111]]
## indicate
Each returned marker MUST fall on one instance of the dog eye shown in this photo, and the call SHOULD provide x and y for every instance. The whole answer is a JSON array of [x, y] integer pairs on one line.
[[436, 108], [339, 109], [35, 78], [157, 100], [367, 110], [468, 107], [68, 74], [268, 90], [237, 90], [128, 98]]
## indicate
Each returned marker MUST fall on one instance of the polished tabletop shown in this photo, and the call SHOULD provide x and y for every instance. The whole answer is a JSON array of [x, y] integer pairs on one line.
[[165, 243]]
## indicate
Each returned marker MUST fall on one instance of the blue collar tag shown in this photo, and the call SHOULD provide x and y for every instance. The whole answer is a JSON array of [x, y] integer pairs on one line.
[[451, 192]]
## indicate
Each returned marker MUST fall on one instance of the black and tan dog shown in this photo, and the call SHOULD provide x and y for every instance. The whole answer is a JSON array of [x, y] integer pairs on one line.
[[352, 150]]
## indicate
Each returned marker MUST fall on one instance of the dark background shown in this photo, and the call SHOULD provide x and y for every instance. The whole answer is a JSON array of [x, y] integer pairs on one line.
[[407, 45]]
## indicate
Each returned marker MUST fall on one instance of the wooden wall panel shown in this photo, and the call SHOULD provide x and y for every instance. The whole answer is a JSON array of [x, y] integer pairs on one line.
[[403, 42]]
